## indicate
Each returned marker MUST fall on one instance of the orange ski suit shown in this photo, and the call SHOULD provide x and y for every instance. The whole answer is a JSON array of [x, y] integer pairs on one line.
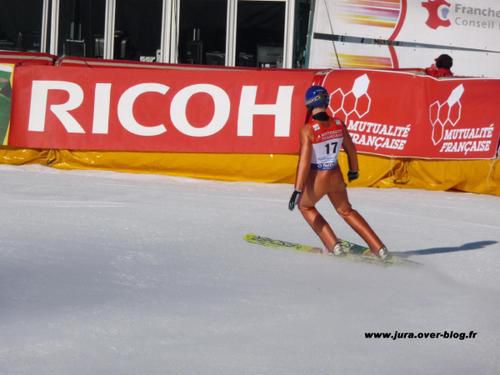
[[318, 174]]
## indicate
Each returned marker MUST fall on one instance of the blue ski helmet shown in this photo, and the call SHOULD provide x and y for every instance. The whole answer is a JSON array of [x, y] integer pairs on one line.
[[317, 96]]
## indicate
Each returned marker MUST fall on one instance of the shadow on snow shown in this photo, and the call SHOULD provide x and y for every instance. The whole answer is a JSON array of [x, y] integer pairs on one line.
[[443, 250]]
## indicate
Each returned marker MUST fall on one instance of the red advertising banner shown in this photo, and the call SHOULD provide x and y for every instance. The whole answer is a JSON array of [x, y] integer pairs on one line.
[[405, 115], [387, 113], [161, 110]]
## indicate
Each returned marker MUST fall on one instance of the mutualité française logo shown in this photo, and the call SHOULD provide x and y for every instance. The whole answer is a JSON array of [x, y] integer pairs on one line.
[[444, 116], [355, 101], [353, 104]]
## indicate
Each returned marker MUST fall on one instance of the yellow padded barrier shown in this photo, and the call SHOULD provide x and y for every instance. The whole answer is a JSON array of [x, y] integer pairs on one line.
[[9, 155], [228, 167], [476, 176]]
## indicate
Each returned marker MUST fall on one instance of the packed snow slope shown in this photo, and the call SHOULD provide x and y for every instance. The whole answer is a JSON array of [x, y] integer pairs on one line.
[[108, 273]]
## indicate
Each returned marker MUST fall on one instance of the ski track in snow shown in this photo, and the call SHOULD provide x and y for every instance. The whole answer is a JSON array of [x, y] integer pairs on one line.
[[114, 273]]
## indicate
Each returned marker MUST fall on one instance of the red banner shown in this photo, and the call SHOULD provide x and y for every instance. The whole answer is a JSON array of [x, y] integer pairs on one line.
[[387, 113], [158, 110], [406, 115]]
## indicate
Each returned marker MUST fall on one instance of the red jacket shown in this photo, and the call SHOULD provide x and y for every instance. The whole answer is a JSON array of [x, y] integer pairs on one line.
[[438, 72]]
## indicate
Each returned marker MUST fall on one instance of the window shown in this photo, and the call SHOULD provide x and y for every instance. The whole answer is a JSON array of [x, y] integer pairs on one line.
[[260, 33], [81, 27], [302, 33], [137, 29], [202, 32], [20, 30]]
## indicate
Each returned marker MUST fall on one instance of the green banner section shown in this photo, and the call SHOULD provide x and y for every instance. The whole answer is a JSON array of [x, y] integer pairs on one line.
[[6, 73]]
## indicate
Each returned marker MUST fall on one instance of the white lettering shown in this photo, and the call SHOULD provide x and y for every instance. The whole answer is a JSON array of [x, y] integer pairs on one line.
[[222, 107], [381, 129], [465, 147], [100, 123], [38, 105], [281, 110], [469, 133], [126, 109]]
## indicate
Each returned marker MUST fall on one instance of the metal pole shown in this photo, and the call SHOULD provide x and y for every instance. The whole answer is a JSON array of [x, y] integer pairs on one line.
[[289, 34], [109, 29], [231, 30], [166, 21], [54, 27], [45, 26]]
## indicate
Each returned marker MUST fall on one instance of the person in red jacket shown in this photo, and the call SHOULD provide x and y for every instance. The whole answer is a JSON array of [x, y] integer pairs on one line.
[[441, 68], [318, 174]]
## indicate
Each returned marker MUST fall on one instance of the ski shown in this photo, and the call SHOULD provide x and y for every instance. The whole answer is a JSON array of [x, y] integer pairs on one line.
[[355, 252]]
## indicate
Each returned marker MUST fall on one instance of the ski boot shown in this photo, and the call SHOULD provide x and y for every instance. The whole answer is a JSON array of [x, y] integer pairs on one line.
[[383, 254], [337, 250]]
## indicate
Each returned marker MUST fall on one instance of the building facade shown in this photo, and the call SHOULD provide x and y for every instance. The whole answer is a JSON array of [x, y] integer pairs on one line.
[[260, 33]]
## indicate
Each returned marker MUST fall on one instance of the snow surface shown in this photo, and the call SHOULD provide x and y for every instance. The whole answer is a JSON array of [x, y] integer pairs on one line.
[[109, 273]]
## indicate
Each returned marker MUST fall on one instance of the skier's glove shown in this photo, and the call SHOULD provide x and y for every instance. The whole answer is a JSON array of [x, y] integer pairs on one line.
[[352, 175], [294, 199]]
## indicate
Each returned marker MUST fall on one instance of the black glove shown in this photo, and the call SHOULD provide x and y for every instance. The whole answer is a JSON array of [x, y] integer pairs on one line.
[[294, 199], [352, 175]]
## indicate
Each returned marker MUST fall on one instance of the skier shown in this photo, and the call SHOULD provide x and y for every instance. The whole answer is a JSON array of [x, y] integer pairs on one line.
[[318, 174]]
